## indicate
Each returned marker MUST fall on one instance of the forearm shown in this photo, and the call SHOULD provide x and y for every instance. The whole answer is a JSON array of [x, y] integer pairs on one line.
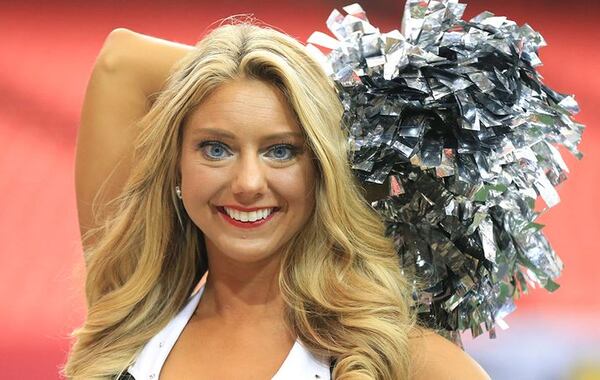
[[147, 61]]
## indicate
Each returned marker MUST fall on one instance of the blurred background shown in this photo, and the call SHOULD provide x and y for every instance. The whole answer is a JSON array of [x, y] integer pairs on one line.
[[47, 51]]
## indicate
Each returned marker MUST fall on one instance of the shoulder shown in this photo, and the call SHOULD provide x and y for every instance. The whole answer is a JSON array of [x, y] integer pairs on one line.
[[435, 357]]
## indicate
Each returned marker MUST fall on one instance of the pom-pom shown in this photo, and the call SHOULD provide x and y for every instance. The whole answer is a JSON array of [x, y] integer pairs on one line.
[[451, 119]]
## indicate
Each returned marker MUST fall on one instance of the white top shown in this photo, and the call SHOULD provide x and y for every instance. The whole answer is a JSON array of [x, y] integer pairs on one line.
[[299, 364]]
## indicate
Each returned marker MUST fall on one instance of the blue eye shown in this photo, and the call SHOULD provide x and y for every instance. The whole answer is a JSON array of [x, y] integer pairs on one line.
[[215, 150], [280, 152]]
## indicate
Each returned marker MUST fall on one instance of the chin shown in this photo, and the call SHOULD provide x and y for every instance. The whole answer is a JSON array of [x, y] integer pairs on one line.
[[250, 257], [246, 254]]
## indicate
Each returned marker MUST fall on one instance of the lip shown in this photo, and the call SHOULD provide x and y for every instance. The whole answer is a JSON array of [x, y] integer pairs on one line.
[[246, 225], [249, 209]]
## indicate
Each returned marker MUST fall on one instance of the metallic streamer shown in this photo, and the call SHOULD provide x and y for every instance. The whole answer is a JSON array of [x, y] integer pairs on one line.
[[452, 118]]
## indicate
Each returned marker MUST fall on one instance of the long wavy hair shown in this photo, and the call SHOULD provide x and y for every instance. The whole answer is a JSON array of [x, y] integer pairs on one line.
[[340, 277]]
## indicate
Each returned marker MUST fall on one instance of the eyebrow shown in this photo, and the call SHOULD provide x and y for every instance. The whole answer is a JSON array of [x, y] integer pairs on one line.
[[228, 135]]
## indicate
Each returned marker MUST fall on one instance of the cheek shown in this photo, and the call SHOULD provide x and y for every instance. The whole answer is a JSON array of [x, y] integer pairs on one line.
[[296, 185], [192, 169], [199, 183]]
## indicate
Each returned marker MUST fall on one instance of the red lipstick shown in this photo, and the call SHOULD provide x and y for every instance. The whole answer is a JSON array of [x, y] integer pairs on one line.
[[248, 224], [248, 209]]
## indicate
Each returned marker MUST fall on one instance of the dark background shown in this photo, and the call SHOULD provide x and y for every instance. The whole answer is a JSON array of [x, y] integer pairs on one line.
[[47, 51]]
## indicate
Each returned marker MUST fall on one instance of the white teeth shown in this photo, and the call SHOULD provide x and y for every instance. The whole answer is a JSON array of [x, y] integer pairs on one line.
[[248, 216]]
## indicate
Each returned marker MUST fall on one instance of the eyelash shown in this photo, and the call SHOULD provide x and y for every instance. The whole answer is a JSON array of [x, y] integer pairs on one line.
[[294, 150]]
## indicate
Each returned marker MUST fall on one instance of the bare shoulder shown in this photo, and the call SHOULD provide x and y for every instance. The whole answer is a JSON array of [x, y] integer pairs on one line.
[[435, 357]]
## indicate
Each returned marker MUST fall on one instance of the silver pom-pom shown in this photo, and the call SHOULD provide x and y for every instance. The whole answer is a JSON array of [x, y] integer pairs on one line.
[[455, 136]]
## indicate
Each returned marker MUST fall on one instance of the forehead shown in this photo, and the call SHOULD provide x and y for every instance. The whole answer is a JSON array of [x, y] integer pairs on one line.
[[244, 107]]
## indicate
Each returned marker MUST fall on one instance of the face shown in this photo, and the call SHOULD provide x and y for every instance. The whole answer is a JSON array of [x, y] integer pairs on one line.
[[242, 149]]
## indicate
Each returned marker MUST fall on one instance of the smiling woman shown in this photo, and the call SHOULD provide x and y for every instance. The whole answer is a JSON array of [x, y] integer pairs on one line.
[[246, 173], [239, 172]]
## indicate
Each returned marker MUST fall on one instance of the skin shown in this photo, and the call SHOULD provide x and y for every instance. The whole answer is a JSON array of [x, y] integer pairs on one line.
[[130, 70], [246, 170]]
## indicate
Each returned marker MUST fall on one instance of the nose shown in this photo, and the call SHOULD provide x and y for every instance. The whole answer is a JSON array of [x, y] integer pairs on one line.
[[249, 178]]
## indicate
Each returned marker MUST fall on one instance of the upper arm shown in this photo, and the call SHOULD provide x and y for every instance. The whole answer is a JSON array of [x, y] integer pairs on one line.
[[435, 357], [129, 69]]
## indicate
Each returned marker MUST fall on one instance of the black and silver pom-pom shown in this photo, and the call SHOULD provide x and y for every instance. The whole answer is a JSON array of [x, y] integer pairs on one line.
[[455, 136]]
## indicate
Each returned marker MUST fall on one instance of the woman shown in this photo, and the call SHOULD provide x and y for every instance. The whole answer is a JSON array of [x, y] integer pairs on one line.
[[245, 120]]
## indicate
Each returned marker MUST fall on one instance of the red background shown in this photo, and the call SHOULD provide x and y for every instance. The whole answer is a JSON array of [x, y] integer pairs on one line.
[[47, 50]]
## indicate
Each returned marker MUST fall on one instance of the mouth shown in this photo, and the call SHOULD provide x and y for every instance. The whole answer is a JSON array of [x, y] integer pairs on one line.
[[248, 223]]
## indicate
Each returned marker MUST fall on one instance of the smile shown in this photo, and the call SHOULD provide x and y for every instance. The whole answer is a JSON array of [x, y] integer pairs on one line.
[[252, 219]]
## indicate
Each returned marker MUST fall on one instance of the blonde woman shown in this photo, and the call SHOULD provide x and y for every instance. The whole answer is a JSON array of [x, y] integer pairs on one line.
[[224, 234]]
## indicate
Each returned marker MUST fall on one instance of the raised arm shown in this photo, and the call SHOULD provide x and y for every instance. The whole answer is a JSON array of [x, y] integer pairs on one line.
[[130, 70]]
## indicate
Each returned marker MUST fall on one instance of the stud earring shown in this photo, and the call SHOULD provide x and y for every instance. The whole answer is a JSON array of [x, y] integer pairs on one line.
[[178, 192]]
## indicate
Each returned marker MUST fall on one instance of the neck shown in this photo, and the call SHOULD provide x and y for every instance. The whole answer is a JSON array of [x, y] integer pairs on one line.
[[242, 293]]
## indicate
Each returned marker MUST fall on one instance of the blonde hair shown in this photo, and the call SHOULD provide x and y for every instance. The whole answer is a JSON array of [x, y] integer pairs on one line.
[[344, 291]]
